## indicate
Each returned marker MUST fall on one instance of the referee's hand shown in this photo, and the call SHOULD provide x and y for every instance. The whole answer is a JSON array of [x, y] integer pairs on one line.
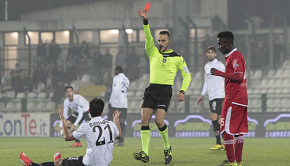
[[143, 14], [180, 96]]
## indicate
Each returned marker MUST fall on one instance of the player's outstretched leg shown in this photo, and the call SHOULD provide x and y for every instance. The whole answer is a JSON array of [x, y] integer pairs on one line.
[[27, 162]]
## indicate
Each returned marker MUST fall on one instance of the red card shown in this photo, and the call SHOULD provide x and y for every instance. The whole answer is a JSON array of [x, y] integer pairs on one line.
[[147, 6]]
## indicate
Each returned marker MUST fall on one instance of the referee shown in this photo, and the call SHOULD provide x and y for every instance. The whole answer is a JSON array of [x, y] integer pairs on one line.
[[215, 87], [164, 64]]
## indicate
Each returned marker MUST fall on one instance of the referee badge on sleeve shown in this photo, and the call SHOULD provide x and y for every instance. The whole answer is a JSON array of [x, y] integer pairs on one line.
[[164, 60], [186, 69]]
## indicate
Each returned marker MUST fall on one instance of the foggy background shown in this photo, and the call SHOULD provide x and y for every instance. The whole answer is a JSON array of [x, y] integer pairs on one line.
[[45, 45]]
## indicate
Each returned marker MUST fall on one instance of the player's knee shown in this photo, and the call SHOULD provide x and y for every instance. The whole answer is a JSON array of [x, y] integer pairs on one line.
[[159, 123], [68, 123], [145, 122]]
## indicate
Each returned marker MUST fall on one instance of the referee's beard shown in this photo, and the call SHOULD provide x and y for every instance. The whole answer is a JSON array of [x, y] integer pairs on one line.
[[163, 48]]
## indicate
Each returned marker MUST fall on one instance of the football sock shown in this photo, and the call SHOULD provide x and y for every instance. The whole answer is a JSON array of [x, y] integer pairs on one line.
[[122, 125], [228, 142], [216, 129], [164, 135], [239, 148], [145, 138]]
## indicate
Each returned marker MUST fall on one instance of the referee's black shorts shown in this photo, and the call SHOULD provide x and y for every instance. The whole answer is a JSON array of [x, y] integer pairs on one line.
[[157, 96], [73, 117], [216, 105]]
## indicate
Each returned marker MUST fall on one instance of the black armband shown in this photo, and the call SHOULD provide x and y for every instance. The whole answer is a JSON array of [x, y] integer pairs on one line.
[[145, 21], [182, 91]]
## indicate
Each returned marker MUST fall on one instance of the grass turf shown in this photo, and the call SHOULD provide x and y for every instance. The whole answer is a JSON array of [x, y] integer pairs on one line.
[[186, 151]]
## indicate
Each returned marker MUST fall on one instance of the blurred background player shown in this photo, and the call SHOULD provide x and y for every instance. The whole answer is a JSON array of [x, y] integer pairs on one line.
[[234, 121], [118, 100], [214, 86], [80, 106], [100, 136], [164, 64]]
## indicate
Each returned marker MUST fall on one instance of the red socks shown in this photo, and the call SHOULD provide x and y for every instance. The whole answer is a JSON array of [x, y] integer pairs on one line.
[[239, 148], [233, 153], [229, 142]]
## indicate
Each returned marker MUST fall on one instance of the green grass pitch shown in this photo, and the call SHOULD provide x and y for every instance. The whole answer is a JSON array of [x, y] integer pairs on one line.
[[186, 151]]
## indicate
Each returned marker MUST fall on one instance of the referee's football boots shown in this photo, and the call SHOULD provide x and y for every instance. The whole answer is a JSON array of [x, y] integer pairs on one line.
[[141, 156], [168, 155]]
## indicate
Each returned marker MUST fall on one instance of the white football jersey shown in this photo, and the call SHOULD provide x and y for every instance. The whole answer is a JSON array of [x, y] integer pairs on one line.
[[79, 105], [120, 87], [100, 136], [213, 85]]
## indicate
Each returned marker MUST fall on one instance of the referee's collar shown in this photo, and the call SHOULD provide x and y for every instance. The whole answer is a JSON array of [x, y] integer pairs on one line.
[[235, 49]]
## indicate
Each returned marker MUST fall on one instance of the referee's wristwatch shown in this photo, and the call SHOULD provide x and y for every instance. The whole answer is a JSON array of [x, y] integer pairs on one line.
[[182, 91]]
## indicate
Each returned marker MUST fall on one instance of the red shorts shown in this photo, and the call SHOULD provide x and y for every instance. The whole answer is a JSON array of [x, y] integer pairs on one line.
[[234, 119]]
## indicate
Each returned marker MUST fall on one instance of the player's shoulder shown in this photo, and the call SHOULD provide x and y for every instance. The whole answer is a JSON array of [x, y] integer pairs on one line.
[[66, 101], [220, 63], [238, 54]]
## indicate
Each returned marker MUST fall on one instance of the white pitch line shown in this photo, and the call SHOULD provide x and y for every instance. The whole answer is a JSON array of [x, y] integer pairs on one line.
[[7, 150]]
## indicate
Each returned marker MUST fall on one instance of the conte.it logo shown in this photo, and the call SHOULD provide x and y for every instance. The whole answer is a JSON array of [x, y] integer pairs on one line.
[[278, 127]]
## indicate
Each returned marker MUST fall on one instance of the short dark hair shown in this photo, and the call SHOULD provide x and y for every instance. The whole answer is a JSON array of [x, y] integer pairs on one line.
[[68, 87], [119, 69], [211, 48], [227, 35], [96, 107], [164, 32]]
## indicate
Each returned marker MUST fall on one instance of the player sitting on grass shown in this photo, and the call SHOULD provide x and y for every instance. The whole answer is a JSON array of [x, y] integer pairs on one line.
[[99, 134]]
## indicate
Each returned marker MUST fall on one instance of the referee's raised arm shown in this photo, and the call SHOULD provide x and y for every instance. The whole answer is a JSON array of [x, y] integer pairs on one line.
[[149, 41]]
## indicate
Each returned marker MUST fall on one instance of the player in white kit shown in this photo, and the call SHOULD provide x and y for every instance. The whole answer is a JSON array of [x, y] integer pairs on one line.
[[80, 106], [118, 100], [99, 134], [215, 87]]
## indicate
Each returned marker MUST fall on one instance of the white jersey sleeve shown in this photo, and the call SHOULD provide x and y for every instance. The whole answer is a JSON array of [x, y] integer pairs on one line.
[[204, 88], [65, 111], [65, 108], [80, 132]]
